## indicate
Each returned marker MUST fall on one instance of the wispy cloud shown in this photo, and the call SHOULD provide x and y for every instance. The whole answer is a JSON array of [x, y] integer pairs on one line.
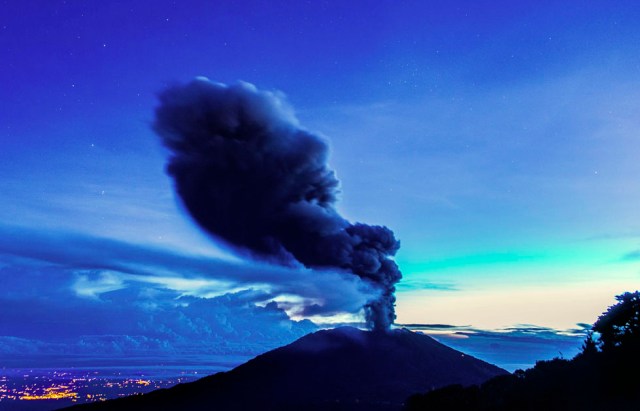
[[434, 327], [631, 256], [328, 292], [413, 283]]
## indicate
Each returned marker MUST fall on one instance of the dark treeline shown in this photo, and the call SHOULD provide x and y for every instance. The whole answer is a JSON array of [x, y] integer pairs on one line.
[[604, 376]]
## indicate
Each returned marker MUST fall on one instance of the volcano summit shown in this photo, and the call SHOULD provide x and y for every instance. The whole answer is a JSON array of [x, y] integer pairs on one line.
[[339, 369]]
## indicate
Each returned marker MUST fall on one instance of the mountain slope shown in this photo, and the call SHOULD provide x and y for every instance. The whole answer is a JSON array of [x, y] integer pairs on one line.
[[340, 369]]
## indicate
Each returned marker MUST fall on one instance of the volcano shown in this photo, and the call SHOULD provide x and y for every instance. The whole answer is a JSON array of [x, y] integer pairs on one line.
[[339, 369]]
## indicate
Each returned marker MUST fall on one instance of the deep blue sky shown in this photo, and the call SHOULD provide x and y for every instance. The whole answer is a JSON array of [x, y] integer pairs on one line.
[[499, 140]]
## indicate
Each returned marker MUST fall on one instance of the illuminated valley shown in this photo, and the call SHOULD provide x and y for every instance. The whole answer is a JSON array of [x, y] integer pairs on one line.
[[47, 389]]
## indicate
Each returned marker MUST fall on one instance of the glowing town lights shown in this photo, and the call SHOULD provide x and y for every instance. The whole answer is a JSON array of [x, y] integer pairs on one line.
[[80, 386], [50, 393]]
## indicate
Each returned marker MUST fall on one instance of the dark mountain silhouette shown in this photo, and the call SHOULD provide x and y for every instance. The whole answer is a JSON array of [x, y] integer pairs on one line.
[[339, 369]]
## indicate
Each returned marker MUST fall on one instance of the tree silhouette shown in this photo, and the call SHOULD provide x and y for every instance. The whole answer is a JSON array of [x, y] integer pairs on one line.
[[589, 346], [602, 377], [619, 326]]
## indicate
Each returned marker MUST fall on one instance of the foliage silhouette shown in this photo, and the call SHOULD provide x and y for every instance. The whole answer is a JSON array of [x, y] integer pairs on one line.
[[602, 377], [619, 326]]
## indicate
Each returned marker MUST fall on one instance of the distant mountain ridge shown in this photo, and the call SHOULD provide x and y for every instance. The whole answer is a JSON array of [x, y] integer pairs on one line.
[[339, 369]]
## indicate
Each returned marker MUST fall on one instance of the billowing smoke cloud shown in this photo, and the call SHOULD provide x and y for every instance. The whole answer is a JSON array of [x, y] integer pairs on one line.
[[252, 177]]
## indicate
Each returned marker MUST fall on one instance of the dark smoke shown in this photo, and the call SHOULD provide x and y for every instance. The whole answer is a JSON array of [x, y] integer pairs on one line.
[[252, 177]]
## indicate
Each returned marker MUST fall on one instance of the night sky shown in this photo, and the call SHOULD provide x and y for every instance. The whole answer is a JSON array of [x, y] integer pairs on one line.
[[498, 140]]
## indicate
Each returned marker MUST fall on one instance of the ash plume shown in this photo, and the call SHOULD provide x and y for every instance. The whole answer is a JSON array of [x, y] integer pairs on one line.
[[252, 177]]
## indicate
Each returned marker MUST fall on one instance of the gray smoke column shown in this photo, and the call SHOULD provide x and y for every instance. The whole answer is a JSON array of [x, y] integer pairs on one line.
[[252, 177]]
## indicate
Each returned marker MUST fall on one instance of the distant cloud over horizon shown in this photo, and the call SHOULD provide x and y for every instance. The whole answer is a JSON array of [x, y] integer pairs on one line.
[[512, 347], [43, 316]]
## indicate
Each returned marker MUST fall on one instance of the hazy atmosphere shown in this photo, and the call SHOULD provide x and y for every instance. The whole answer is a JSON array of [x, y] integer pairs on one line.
[[496, 141]]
